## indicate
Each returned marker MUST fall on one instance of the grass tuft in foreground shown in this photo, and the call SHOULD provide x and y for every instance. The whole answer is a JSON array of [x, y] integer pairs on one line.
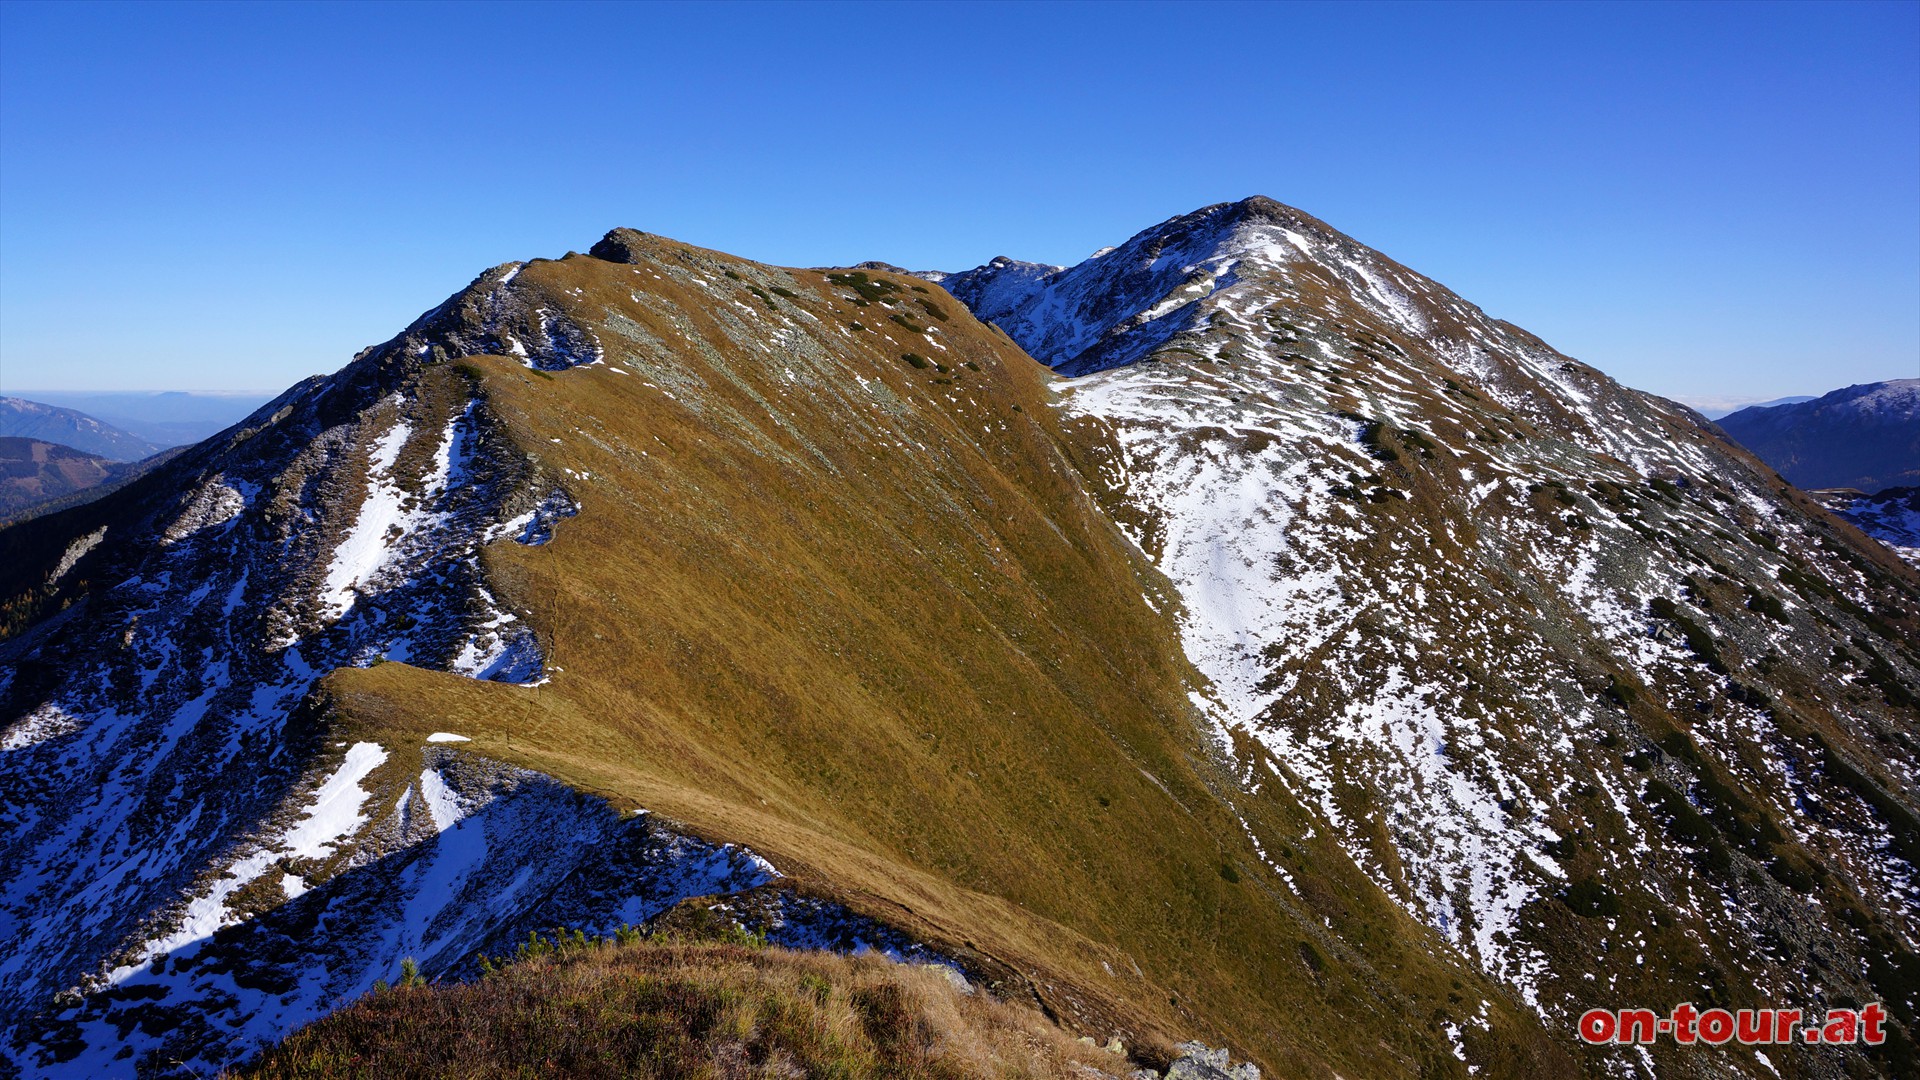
[[656, 1007]]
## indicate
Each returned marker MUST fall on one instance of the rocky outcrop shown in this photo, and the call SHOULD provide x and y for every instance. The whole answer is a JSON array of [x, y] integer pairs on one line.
[[619, 246]]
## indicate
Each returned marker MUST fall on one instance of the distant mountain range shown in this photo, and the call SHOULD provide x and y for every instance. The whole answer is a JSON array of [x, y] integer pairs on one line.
[[38, 477], [161, 418], [23, 419], [1865, 437], [1716, 411]]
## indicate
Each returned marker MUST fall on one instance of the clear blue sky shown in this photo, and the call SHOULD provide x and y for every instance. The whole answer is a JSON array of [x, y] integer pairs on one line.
[[1713, 200]]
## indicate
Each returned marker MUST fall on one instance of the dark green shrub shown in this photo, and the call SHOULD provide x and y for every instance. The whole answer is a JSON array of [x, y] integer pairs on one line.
[[1419, 442], [1697, 638], [1766, 604], [1377, 448], [1619, 693], [868, 289], [1588, 898], [1311, 957]]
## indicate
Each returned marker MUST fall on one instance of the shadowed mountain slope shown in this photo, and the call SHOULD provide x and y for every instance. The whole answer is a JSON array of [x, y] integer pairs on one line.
[[1891, 516], [1865, 437], [33, 471]]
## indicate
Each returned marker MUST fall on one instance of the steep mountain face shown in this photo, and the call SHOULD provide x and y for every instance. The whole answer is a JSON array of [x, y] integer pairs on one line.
[[647, 578], [23, 419], [1865, 437], [32, 471], [1574, 679]]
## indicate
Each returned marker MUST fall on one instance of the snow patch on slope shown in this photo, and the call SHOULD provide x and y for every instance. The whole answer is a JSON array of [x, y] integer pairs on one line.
[[505, 851], [333, 814], [383, 521]]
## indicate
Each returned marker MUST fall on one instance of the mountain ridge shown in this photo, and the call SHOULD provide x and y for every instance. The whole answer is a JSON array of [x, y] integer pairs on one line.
[[1331, 671], [1865, 436], [164, 417], [388, 538], [1240, 354], [21, 418]]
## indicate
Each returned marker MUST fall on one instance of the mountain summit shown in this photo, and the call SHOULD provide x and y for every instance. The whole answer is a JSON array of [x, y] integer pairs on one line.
[[1323, 670], [1578, 680], [1116, 307]]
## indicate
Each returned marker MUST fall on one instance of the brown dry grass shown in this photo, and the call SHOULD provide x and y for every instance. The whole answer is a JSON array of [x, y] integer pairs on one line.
[[864, 618], [686, 1012]]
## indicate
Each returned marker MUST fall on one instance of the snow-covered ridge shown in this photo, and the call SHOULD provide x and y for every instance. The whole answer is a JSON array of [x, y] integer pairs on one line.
[[1125, 301], [1865, 437], [498, 316], [997, 288]]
